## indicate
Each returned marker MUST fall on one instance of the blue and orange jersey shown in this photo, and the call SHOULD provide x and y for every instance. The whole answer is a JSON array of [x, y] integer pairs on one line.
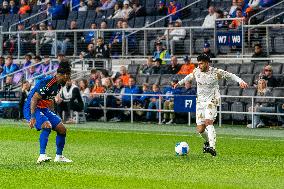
[[47, 88]]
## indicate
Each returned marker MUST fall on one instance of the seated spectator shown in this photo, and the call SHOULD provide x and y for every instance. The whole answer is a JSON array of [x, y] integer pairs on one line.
[[221, 23], [37, 60], [174, 67], [126, 10], [188, 89], [93, 77], [258, 53], [2, 63], [168, 31], [130, 89], [9, 66], [253, 5], [84, 91], [46, 66], [48, 37], [154, 103], [5, 8], [24, 95], [115, 43], [178, 33], [242, 5], [90, 36], [27, 61], [162, 9], [161, 53], [280, 109], [31, 74], [233, 7], [90, 52], [146, 68], [58, 12], [105, 34], [157, 68], [108, 4], [236, 23], [116, 11], [169, 102], [101, 49], [173, 9], [96, 97], [91, 5], [209, 20], [138, 10], [14, 9], [187, 67], [262, 104], [25, 7], [69, 99], [124, 76], [207, 51], [143, 101], [268, 76], [82, 6]]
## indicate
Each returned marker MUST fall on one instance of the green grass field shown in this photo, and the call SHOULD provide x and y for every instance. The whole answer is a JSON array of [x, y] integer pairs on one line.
[[126, 155]]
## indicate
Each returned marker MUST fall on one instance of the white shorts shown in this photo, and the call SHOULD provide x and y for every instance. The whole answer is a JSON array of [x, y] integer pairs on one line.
[[205, 110]]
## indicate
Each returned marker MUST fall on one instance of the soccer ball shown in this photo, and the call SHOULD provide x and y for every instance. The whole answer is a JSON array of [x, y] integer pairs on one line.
[[181, 149]]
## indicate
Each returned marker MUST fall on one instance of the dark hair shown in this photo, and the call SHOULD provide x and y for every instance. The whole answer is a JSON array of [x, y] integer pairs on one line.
[[239, 9], [64, 67], [203, 57], [37, 57], [29, 56], [258, 45]]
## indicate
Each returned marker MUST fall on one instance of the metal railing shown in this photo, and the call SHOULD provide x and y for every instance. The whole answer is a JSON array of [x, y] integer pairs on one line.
[[160, 110]]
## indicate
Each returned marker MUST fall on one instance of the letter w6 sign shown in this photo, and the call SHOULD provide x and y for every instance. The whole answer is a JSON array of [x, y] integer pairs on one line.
[[185, 104]]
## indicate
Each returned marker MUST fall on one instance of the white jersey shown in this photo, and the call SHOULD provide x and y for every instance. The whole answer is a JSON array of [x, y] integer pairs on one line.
[[207, 83]]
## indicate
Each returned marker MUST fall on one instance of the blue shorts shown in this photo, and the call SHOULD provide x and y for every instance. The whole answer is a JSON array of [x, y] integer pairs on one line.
[[44, 114]]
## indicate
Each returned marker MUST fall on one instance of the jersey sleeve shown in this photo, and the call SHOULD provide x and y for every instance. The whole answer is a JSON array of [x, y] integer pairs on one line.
[[189, 77], [227, 75]]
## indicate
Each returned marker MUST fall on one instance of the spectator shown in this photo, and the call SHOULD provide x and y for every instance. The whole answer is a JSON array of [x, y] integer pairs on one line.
[[209, 20], [253, 5], [258, 53], [162, 9], [233, 7], [69, 99], [82, 6], [38, 67], [96, 98], [138, 10], [268, 76], [242, 5], [58, 12], [84, 91], [2, 63], [261, 104], [130, 89], [280, 109], [91, 5], [167, 31], [93, 77], [188, 89], [118, 89], [14, 9], [178, 33], [90, 52], [173, 9], [187, 67], [207, 51], [221, 23], [146, 68], [90, 36], [5, 8], [32, 38], [25, 8], [157, 68], [108, 4], [28, 60], [46, 66], [169, 102], [161, 53], [24, 94], [101, 49], [116, 11], [144, 99], [48, 38], [126, 10], [115, 43], [9, 66], [236, 23], [154, 103], [124, 76], [31, 74], [174, 67]]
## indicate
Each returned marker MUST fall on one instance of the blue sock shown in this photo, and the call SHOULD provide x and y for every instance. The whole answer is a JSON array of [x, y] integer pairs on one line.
[[43, 139], [60, 142]]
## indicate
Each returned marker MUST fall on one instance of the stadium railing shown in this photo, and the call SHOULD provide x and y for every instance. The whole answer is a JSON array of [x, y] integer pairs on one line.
[[220, 112], [142, 43]]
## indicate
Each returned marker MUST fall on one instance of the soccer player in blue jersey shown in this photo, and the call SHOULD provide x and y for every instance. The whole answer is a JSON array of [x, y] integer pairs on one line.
[[38, 111]]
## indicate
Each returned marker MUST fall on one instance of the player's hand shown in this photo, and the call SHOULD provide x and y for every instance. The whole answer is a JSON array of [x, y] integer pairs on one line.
[[243, 85], [32, 123], [175, 85]]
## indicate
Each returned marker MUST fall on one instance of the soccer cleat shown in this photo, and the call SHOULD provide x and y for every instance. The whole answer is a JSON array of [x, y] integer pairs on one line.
[[170, 122], [206, 147], [43, 158], [164, 121], [61, 158], [212, 151]]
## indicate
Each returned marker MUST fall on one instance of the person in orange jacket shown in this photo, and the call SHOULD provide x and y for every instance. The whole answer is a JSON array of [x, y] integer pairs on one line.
[[187, 67]]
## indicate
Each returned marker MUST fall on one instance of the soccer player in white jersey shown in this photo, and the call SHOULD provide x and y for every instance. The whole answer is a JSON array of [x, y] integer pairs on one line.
[[208, 98]]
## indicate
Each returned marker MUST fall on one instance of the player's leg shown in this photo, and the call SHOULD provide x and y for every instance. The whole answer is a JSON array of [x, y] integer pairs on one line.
[[200, 121], [210, 115]]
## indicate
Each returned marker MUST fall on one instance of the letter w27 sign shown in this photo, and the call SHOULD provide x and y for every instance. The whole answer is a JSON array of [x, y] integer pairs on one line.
[[185, 104], [230, 38]]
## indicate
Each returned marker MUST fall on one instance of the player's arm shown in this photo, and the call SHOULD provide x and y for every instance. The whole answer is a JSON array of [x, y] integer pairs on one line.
[[189, 77], [227, 75], [36, 97]]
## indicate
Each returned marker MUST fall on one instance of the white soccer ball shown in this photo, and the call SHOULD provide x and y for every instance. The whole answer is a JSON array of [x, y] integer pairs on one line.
[[181, 148]]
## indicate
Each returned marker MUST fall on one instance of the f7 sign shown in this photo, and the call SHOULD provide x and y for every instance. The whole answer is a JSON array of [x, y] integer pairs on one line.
[[185, 104], [230, 38]]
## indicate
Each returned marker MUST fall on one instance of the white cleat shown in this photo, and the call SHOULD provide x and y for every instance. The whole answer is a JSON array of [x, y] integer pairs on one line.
[[43, 158], [60, 158]]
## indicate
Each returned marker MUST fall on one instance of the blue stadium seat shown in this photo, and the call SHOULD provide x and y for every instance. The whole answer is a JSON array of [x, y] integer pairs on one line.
[[73, 15], [61, 25], [248, 78]]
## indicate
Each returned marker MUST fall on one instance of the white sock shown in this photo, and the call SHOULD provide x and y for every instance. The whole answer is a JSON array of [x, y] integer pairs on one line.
[[58, 156], [211, 135], [42, 155], [204, 135]]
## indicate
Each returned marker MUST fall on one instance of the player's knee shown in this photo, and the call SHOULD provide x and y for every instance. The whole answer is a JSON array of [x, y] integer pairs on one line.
[[60, 129], [208, 122], [200, 128]]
